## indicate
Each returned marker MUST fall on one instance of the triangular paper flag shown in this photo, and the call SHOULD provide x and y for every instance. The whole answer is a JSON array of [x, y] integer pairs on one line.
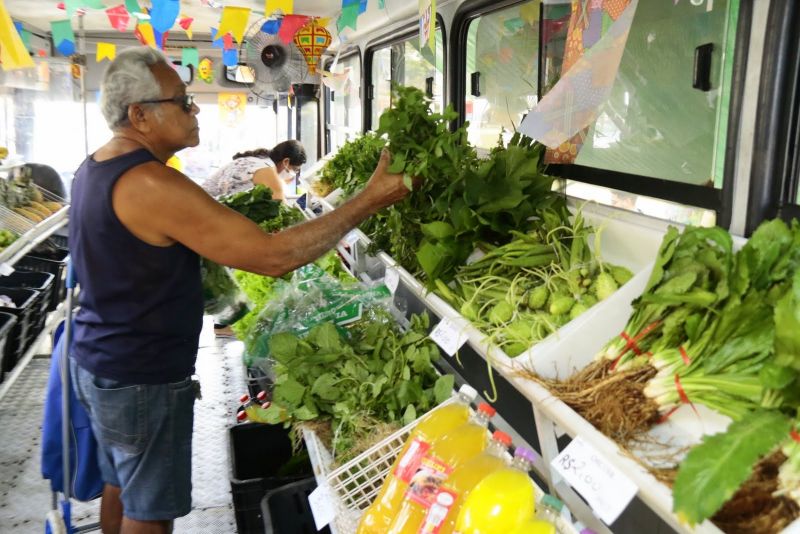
[[24, 34], [163, 14], [362, 6], [71, 6], [381, 4], [12, 49], [132, 6], [106, 51], [118, 17], [284, 6], [348, 18], [271, 27], [230, 57], [67, 48], [190, 56], [147, 34], [94, 4], [290, 25], [185, 22], [234, 20], [61, 31], [161, 38]]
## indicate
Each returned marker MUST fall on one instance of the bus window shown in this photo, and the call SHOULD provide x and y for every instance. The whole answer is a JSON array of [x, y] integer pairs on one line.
[[344, 103], [406, 63], [502, 70], [659, 122]]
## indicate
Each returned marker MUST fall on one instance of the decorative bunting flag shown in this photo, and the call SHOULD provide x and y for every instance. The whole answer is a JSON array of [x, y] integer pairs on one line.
[[190, 56], [163, 14], [290, 25], [186, 24], [225, 42], [348, 18], [230, 57], [105, 51], [381, 4], [160, 38], [144, 32], [362, 5], [234, 20], [62, 31], [41, 52], [284, 6], [24, 34], [118, 17], [271, 27], [427, 24], [71, 6], [66, 48], [312, 40], [94, 4], [13, 53], [132, 6]]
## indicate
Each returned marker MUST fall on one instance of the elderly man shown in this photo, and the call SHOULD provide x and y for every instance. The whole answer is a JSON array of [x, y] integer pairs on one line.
[[137, 229]]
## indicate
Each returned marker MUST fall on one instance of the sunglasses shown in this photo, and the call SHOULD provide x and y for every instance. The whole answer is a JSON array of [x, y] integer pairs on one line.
[[184, 101]]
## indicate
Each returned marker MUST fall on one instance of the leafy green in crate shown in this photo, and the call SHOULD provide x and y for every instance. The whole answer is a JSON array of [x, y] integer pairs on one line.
[[352, 166]]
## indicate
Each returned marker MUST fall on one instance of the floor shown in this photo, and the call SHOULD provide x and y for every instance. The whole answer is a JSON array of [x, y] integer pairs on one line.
[[25, 497]]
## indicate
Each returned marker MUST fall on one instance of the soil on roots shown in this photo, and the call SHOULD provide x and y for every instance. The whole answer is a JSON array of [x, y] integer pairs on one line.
[[614, 402], [753, 509]]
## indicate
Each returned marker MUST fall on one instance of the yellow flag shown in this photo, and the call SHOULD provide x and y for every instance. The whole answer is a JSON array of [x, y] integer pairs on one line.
[[234, 21], [147, 33], [323, 21], [188, 32], [106, 51], [271, 6], [13, 53]]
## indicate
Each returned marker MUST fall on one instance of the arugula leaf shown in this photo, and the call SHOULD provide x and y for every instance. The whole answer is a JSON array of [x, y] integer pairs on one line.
[[715, 469]]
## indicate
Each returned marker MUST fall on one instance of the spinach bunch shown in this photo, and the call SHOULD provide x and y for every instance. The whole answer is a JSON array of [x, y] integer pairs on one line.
[[256, 204], [373, 371], [352, 166]]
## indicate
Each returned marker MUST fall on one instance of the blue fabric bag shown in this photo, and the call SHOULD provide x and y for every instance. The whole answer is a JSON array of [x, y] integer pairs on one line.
[[87, 483]]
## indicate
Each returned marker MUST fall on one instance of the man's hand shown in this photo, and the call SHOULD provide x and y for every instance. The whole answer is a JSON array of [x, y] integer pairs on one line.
[[383, 188]]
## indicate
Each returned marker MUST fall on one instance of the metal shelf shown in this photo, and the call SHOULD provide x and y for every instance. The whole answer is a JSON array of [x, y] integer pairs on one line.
[[33, 237]]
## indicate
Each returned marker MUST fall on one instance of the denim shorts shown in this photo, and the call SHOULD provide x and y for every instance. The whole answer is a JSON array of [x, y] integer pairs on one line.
[[144, 439]]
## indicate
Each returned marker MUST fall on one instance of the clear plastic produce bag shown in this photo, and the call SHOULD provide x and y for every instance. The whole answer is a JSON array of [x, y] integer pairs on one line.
[[222, 296]]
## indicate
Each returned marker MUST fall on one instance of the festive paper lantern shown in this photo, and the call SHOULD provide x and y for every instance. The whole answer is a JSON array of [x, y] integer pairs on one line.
[[312, 40]]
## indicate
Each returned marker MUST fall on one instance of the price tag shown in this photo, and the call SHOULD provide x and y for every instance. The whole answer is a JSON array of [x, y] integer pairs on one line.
[[448, 336], [603, 486], [391, 279], [322, 508], [350, 239], [6, 269]]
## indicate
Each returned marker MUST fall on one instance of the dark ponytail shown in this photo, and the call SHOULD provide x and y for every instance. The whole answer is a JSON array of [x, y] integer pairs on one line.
[[257, 153], [289, 149]]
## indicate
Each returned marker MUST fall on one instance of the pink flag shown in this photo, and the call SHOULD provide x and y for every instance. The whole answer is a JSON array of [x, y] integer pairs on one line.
[[290, 25], [118, 17]]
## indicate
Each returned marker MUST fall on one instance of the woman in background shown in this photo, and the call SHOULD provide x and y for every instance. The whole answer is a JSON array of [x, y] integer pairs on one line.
[[271, 168]]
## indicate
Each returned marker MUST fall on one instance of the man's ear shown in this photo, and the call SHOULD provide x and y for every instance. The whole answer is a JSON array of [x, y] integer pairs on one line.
[[138, 118]]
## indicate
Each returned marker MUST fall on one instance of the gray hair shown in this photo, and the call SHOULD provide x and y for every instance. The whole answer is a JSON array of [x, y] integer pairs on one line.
[[129, 80]]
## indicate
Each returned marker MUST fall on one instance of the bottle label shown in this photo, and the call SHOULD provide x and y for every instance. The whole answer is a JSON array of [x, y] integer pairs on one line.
[[438, 512], [410, 462], [426, 482]]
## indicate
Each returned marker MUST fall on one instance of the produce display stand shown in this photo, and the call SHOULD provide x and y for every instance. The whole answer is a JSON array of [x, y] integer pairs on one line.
[[552, 425], [31, 238]]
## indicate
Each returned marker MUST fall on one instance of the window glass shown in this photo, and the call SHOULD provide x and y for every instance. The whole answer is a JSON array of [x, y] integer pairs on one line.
[[503, 63], [406, 63], [309, 128], [655, 123], [345, 102]]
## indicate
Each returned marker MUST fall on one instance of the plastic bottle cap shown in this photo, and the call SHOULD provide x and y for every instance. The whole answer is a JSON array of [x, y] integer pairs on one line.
[[241, 416], [525, 453], [262, 396], [468, 391], [244, 398], [554, 502], [502, 437], [488, 410]]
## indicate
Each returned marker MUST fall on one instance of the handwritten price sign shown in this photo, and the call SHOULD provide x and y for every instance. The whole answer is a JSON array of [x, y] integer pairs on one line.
[[603, 486], [448, 336]]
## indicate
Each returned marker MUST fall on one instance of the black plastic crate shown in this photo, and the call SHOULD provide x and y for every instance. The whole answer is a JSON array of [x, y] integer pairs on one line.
[[7, 322], [59, 241], [49, 260], [17, 340], [286, 510], [41, 282], [260, 461]]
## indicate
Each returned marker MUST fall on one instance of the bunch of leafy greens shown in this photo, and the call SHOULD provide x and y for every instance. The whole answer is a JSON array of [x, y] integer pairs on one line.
[[352, 166], [256, 203], [423, 146], [374, 371]]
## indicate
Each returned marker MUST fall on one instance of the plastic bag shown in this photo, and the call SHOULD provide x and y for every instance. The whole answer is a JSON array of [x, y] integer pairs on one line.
[[310, 298], [222, 296]]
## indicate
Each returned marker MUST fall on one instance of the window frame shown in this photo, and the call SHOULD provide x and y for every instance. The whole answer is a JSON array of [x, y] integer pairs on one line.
[[347, 53], [372, 47], [775, 172], [718, 200]]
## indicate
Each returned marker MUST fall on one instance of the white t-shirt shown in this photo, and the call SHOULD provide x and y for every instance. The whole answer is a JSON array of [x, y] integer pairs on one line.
[[236, 176]]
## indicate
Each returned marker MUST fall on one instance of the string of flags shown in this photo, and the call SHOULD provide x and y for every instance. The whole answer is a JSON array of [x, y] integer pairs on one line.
[[151, 26]]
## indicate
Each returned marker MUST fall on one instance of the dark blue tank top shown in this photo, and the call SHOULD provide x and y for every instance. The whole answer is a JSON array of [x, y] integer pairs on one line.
[[141, 306]]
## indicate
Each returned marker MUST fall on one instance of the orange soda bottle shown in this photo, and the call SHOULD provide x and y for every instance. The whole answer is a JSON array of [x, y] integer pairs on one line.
[[440, 518], [446, 454], [377, 518], [502, 500]]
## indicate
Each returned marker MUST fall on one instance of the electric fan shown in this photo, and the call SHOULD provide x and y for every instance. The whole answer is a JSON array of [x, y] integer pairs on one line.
[[276, 65]]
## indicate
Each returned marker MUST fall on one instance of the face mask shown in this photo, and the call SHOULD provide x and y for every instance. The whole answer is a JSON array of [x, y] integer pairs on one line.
[[286, 175]]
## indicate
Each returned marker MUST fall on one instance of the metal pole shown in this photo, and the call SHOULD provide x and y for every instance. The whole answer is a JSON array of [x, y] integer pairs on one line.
[[65, 391], [84, 69]]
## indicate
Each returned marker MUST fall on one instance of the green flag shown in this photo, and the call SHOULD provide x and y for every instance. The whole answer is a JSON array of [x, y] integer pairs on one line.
[[190, 56]]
